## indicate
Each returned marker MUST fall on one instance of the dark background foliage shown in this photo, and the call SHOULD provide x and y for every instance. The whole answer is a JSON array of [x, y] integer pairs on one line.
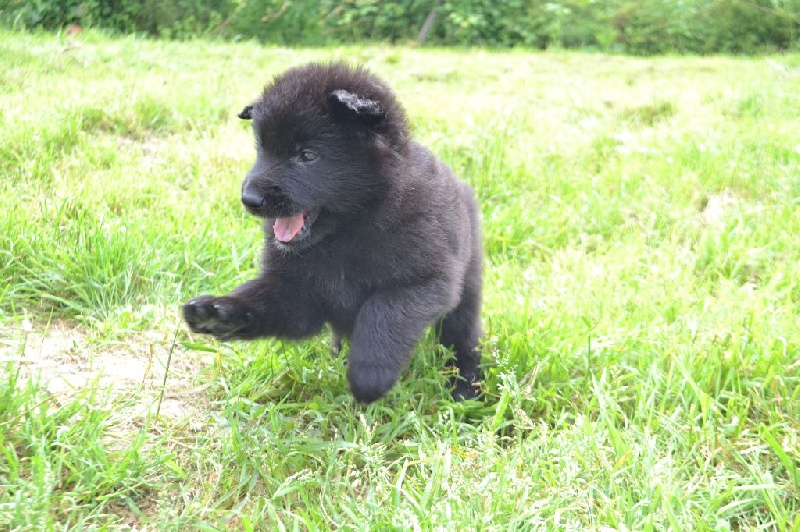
[[637, 27]]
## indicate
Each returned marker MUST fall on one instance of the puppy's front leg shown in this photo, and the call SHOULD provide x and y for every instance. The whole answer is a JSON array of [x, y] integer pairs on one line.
[[388, 327], [266, 306]]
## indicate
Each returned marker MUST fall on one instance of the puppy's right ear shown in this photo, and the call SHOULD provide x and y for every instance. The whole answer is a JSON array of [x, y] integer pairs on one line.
[[247, 113], [349, 104]]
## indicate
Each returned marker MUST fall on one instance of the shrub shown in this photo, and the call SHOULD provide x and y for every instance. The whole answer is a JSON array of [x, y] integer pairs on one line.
[[638, 27]]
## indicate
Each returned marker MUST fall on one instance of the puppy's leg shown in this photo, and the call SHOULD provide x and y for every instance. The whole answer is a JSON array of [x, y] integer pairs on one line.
[[336, 343], [261, 307], [388, 326], [461, 330]]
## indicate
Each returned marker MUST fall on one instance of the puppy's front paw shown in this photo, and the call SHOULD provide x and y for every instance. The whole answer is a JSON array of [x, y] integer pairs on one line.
[[221, 317], [370, 382]]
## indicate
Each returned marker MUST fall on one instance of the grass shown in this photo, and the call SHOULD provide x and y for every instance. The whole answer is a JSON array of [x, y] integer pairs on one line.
[[641, 305]]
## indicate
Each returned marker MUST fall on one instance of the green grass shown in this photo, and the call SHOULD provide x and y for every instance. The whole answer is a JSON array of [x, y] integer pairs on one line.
[[642, 353]]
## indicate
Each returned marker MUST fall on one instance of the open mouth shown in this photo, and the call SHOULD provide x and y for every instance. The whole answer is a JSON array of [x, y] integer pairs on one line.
[[294, 228]]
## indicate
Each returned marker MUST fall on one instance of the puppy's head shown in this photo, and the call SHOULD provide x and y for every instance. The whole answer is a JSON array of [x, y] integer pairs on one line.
[[327, 137]]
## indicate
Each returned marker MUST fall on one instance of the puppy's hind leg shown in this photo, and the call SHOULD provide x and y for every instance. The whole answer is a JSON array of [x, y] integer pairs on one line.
[[461, 331], [336, 343]]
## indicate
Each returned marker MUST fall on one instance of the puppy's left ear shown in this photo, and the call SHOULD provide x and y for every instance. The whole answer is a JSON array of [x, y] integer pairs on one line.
[[350, 104], [246, 113]]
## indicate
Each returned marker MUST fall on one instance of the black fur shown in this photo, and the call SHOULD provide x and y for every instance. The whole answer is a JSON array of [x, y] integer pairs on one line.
[[390, 238], [246, 113]]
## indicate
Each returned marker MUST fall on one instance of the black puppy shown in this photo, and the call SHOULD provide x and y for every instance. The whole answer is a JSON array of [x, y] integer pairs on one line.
[[365, 230]]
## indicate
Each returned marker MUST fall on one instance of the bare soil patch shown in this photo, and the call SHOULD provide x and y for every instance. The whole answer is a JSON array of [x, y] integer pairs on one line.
[[67, 358], [717, 207]]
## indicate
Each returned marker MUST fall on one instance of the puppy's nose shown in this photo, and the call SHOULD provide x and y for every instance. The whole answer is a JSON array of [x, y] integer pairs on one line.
[[252, 200]]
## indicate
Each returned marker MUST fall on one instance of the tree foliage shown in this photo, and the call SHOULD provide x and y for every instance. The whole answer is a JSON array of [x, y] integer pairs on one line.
[[638, 27]]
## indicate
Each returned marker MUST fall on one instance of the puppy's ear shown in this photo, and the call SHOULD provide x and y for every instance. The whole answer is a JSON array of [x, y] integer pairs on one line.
[[349, 104], [246, 113]]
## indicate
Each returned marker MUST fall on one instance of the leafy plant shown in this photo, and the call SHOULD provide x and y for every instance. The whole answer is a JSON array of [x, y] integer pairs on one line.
[[646, 27]]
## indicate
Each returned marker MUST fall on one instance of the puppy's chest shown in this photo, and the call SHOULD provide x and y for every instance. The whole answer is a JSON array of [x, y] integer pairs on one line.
[[339, 292]]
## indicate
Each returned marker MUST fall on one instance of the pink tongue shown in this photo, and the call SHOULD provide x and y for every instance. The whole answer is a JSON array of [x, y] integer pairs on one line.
[[286, 228]]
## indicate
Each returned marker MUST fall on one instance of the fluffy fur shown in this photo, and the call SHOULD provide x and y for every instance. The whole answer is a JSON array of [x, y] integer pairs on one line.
[[366, 230]]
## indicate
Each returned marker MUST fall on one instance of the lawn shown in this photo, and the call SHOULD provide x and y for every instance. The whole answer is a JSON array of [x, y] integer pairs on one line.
[[642, 284]]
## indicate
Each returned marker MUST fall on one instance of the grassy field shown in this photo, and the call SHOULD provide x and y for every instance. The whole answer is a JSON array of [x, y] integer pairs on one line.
[[642, 355]]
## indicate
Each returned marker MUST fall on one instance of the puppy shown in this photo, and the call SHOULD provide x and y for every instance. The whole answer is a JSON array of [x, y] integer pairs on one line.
[[366, 230]]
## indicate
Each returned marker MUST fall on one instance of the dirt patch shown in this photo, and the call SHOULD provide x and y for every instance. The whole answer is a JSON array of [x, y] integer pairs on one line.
[[716, 207], [67, 358], [126, 376]]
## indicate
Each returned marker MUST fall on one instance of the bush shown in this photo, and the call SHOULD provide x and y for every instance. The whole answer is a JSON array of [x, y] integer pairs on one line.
[[638, 27], [120, 15], [702, 26], [179, 19]]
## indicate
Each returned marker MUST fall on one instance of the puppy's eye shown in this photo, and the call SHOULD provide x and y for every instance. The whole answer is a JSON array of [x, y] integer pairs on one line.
[[307, 156]]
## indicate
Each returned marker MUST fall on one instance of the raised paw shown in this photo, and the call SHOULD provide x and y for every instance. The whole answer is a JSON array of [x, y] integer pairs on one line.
[[221, 317]]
